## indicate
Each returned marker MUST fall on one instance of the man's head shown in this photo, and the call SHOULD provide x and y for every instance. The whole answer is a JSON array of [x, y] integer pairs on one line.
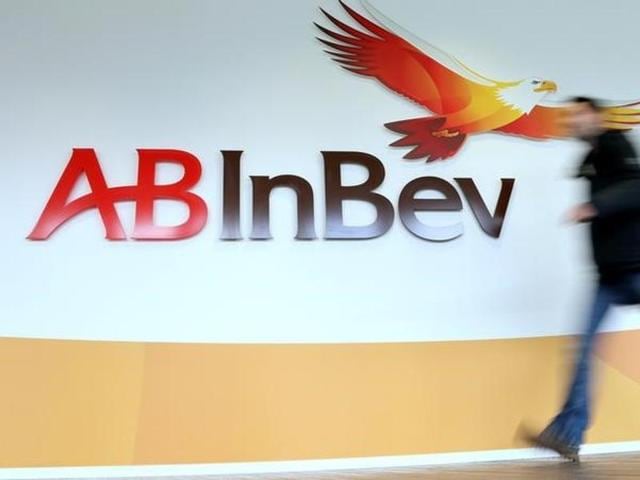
[[585, 119]]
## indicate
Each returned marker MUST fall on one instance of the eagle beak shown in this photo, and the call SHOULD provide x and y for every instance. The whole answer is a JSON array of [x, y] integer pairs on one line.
[[547, 86]]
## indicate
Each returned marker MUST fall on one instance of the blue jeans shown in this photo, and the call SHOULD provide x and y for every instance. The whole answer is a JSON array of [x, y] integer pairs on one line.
[[572, 421]]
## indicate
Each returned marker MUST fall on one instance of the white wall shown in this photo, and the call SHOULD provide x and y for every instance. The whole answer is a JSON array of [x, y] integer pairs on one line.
[[209, 76]]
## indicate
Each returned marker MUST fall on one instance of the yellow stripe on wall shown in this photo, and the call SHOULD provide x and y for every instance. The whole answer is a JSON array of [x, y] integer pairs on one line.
[[77, 403], [69, 403]]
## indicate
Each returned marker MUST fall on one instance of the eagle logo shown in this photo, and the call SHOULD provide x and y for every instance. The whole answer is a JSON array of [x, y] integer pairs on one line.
[[462, 101]]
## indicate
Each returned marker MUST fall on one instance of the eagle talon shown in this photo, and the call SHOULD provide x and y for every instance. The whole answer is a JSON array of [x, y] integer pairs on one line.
[[445, 133]]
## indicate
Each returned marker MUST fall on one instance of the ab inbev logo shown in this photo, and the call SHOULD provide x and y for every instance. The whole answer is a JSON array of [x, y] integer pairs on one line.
[[102, 198], [463, 103]]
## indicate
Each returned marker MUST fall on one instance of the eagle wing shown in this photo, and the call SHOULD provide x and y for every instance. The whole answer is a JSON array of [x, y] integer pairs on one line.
[[543, 122], [427, 76], [622, 115], [547, 120]]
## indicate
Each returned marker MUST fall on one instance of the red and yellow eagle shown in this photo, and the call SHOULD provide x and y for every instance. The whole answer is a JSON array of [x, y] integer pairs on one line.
[[463, 101]]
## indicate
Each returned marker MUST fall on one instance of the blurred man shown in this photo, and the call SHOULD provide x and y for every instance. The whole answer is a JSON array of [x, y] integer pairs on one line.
[[612, 169]]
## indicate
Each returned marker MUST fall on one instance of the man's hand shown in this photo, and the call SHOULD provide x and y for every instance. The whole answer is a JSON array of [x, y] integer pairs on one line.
[[582, 213]]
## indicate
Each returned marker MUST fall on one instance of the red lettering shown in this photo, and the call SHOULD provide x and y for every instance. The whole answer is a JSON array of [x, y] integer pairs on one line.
[[84, 161], [148, 192], [58, 210]]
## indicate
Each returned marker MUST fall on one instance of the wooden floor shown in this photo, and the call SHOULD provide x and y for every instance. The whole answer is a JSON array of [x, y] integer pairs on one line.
[[592, 468]]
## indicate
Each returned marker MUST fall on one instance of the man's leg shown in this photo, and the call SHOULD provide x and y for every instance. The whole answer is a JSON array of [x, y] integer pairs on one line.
[[566, 431]]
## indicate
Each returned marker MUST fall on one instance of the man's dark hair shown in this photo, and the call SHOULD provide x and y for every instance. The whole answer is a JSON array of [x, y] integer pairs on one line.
[[592, 102]]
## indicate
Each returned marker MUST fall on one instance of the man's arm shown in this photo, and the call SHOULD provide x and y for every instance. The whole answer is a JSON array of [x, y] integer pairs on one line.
[[623, 197]]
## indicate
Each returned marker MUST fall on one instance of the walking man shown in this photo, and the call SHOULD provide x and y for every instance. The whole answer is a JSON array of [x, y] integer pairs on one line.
[[612, 169]]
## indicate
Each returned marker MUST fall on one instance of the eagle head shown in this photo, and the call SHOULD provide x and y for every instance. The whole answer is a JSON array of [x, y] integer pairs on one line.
[[526, 94]]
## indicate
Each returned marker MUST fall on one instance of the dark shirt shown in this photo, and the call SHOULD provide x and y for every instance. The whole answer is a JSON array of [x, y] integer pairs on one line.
[[614, 174]]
